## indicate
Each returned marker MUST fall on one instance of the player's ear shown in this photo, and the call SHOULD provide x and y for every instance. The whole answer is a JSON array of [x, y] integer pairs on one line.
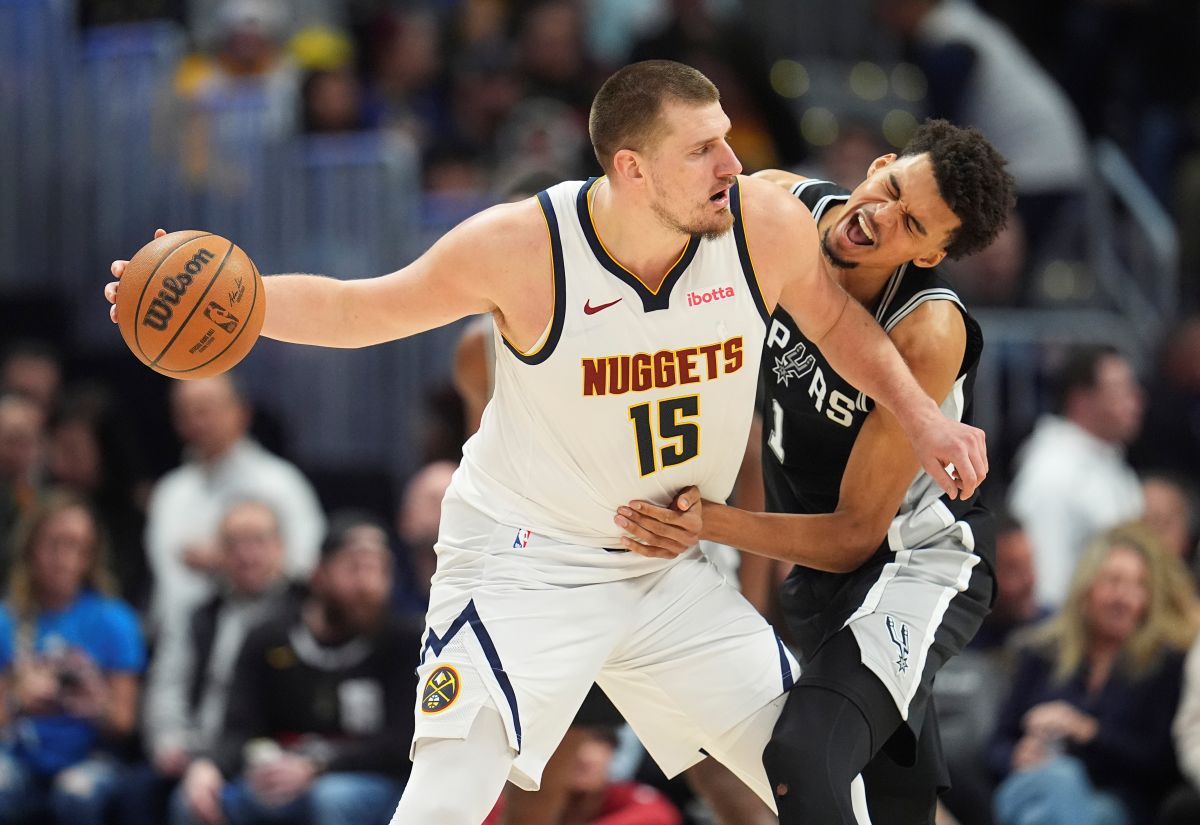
[[880, 162], [931, 259], [627, 165]]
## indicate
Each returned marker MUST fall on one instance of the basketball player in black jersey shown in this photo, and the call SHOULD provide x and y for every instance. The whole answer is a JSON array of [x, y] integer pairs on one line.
[[892, 578]]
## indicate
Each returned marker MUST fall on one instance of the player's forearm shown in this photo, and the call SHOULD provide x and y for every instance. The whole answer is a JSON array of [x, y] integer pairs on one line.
[[306, 309], [323, 311], [835, 542], [860, 351]]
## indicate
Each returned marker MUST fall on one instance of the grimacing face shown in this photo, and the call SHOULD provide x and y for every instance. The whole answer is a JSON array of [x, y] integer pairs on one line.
[[690, 169], [896, 215]]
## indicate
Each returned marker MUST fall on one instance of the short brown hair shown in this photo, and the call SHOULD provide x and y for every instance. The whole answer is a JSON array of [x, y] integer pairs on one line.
[[625, 112]]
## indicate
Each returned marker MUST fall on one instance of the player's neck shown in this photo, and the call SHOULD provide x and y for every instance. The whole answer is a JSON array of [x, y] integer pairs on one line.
[[634, 236]]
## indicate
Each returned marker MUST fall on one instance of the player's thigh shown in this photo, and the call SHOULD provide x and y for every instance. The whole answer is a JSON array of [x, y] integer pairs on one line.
[[701, 662], [531, 651]]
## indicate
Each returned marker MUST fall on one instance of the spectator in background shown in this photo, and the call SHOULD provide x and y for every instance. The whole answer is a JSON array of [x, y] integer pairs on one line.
[[1172, 510], [971, 687], [980, 75], [852, 152], [1131, 69], [207, 20], [1072, 479], [1183, 806], [417, 525], [33, 369], [320, 710], [71, 656], [237, 97], [594, 799], [90, 453], [1085, 735], [1016, 603], [553, 58], [222, 465], [715, 41], [332, 102], [1171, 437], [21, 448], [405, 68], [192, 671]]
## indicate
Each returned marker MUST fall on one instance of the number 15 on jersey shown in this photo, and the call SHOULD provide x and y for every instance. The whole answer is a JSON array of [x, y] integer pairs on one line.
[[664, 432]]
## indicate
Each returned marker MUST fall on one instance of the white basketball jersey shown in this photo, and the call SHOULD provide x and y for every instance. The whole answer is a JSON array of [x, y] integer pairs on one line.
[[631, 394]]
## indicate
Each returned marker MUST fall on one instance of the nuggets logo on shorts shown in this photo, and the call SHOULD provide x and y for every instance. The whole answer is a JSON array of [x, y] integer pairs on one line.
[[441, 689]]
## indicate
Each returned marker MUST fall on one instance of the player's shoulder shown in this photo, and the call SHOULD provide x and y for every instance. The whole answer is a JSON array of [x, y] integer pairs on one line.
[[769, 209], [809, 191], [934, 329], [781, 235], [498, 245], [508, 225]]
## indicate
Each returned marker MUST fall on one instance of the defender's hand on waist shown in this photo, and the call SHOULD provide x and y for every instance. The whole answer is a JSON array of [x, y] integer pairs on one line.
[[662, 532]]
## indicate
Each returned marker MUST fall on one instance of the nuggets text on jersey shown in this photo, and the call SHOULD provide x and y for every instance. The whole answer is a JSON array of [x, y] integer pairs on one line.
[[619, 374]]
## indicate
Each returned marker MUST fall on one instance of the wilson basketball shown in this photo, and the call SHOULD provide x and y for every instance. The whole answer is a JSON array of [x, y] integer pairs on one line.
[[190, 304]]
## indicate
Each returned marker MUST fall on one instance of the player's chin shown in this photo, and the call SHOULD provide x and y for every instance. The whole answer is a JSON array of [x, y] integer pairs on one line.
[[715, 225]]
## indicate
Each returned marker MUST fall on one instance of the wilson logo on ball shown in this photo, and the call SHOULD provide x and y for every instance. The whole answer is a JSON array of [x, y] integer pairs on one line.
[[159, 313]]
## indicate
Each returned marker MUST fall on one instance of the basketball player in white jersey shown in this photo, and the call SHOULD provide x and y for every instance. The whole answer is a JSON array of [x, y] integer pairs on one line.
[[630, 315], [891, 577]]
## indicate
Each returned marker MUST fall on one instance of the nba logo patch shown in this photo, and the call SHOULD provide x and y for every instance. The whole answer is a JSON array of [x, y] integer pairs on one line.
[[522, 539], [441, 689]]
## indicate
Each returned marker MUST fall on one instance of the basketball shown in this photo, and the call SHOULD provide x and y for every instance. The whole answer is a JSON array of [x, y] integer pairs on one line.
[[190, 304]]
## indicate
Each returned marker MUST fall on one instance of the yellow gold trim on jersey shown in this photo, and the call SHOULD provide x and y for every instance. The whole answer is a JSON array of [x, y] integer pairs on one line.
[[441, 690], [592, 219], [652, 299]]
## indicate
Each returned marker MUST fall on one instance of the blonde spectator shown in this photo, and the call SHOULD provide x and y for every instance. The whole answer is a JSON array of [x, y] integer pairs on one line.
[[71, 656], [1085, 735]]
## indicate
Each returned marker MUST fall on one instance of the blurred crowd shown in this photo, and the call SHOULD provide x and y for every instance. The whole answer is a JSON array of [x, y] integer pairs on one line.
[[194, 629], [212, 645], [490, 92]]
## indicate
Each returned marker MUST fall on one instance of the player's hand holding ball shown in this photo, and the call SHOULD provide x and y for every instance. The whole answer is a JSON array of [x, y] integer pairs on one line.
[[189, 304]]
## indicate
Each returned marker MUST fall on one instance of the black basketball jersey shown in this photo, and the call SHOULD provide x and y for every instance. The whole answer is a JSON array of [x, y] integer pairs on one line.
[[811, 415]]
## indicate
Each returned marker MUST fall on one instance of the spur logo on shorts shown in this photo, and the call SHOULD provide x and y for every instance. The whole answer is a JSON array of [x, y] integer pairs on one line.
[[899, 633], [441, 689]]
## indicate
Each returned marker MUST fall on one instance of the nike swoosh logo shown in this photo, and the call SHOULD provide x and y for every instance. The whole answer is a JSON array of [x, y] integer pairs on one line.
[[588, 309]]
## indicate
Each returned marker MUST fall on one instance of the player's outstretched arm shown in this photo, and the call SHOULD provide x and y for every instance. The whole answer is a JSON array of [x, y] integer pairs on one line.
[[477, 267], [879, 471], [786, 250]]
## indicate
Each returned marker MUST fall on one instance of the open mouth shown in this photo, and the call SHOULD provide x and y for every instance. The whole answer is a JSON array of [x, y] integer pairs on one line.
[[721, 197], [858, 230]]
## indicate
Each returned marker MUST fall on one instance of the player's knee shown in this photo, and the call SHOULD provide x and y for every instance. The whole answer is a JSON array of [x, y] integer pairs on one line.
[[792, 762], [795, 746]]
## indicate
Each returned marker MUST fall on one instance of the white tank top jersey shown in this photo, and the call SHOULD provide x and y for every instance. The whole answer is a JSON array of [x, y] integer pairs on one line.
[[630, 394]]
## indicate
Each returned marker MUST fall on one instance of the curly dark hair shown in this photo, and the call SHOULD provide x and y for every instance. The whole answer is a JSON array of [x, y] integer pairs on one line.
[[972, 180]]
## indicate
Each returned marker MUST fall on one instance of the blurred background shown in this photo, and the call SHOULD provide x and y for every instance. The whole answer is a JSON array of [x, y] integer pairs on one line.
[[344, 136]]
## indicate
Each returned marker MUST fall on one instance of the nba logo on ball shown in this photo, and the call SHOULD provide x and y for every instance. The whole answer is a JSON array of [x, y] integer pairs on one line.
[[191, 304]]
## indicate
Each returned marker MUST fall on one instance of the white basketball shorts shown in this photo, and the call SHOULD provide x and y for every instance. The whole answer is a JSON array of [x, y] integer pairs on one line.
[[527, 623]]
